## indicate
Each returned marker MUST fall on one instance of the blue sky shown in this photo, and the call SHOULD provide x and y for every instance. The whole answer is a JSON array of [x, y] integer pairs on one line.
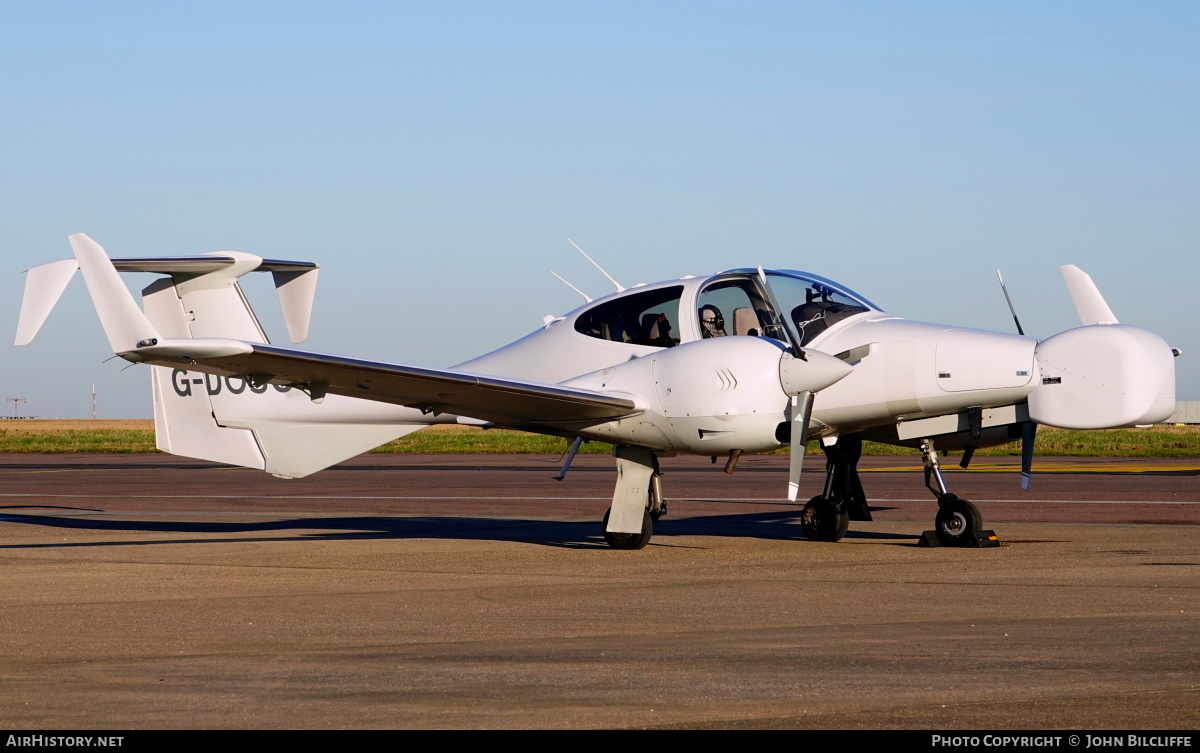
[[434, 157]]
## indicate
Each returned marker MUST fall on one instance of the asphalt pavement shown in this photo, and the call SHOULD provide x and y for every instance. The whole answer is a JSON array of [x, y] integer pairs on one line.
[[150, 592]]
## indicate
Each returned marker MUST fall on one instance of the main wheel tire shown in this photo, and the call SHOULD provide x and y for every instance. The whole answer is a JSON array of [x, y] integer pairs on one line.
[[824, 520], [958, 522], [630, 540]]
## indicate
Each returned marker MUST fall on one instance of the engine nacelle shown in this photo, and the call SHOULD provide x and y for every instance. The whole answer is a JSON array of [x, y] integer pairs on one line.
[[1103, 376], [710, 396]]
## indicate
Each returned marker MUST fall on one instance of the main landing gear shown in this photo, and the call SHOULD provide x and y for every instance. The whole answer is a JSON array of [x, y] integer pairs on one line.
[[827, 515], [958, 521], [637, 501], [630, 540]]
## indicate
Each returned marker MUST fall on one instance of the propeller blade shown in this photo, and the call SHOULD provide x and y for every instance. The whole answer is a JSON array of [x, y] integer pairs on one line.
[[1028, 434], [800, 408]]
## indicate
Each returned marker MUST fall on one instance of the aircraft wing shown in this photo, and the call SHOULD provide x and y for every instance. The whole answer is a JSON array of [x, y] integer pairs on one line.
[[496, 399], [509, 402]]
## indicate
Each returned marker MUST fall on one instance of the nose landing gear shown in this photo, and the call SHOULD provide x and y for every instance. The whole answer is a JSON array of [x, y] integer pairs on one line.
[[958, 521]]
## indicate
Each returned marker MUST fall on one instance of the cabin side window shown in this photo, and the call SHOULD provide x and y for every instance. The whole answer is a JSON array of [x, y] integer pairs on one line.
[[735, 307], [647, 318]]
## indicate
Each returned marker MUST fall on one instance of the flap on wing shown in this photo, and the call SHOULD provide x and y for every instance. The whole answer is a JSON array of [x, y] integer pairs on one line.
[[489, 398]]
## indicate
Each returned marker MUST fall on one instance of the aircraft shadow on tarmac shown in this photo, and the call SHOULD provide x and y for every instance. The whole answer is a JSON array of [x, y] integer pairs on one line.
[[575, 535]]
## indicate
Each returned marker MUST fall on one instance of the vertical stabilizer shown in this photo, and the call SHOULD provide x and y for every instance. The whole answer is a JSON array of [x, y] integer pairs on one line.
[[123, 321]]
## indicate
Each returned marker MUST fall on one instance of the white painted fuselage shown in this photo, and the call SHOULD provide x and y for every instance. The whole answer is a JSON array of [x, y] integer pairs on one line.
[[902, 370]]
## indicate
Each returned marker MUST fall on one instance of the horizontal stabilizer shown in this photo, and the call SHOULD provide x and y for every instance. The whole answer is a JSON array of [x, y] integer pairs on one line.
[[295, 281], [205, 264]]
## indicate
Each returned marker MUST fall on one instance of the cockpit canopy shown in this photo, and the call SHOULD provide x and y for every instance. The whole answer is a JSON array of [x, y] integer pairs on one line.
[[731, 303], [737, 303]]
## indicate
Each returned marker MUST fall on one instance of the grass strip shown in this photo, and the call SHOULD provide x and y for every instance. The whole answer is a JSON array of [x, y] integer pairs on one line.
[[137, 436]]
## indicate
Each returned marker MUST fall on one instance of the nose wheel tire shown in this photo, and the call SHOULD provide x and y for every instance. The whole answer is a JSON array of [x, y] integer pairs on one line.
[[824, 520], [630, 540], [958, 521]]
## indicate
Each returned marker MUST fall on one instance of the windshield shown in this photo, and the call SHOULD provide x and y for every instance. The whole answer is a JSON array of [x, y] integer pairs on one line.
[[813, 304]]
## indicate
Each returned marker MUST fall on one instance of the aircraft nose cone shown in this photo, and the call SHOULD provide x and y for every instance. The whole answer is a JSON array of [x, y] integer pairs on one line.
[[813, 375]]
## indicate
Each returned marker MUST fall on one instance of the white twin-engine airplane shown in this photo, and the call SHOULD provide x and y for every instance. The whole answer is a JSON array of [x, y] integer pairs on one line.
[[715, 366]]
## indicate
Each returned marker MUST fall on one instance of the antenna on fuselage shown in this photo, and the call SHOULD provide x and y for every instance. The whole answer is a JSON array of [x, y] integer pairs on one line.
[[619, 287], [1020, 330], [586, 297]]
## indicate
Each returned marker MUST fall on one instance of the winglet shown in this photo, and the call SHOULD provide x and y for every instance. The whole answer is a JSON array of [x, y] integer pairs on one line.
[[1089, 303], [123, 321], [296, 292], [44, 285]]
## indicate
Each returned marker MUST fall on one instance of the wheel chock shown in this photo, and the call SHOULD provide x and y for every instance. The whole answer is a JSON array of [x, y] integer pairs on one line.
[[981, 540]]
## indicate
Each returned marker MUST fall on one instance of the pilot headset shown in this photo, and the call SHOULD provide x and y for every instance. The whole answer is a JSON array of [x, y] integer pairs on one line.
[[718, 322]]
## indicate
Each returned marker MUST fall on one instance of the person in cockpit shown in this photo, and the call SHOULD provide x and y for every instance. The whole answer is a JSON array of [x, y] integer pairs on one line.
[[712, 324], [656, 331]]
